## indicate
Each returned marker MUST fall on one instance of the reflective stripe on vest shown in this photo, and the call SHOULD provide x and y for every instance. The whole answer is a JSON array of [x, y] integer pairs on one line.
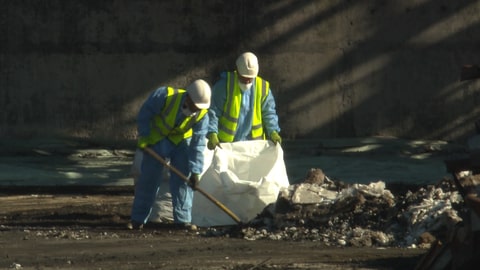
[[163, 124], [229, 120]]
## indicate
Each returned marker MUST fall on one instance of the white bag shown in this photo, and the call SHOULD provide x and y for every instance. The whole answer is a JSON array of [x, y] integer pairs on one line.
[[243, 176], [162, 209]]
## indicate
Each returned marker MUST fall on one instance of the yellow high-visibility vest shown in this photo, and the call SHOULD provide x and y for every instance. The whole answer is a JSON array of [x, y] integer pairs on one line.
[[163, 124], [227, 123]]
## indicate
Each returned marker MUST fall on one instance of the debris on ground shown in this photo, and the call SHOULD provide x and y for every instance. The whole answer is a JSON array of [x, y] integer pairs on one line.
[[340, 214], [460, 249]]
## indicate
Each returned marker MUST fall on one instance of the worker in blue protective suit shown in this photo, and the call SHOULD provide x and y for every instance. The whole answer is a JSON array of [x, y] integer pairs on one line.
[[173, 123], [243, 106]]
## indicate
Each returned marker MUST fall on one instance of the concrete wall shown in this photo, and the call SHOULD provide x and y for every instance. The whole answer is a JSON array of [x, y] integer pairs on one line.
[[337, 68]]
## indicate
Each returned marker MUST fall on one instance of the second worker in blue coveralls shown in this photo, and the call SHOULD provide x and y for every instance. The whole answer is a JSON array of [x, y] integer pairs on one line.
[[243, 106], [173, 123]]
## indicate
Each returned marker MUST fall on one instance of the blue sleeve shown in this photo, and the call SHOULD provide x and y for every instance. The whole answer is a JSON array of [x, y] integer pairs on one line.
[[197, 145], [269, 114], [219, 96], [151, 107]]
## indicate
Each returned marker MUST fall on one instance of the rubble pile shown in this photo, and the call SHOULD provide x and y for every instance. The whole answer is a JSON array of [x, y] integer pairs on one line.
[[340, 214]]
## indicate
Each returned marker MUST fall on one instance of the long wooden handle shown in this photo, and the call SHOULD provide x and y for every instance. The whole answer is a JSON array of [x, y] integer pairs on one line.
[[184, 178]]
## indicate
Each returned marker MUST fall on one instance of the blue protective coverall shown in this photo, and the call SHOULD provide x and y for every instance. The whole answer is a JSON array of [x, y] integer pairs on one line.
[[243, 133], [187, 157]]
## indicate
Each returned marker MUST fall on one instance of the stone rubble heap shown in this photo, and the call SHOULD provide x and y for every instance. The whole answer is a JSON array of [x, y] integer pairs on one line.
[[340, 214]]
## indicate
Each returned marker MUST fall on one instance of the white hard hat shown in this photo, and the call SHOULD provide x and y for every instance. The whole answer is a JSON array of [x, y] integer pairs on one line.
[[200, 93], [247, 65]]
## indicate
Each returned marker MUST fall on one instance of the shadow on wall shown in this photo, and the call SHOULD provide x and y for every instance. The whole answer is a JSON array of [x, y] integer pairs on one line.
[[343, 69], [413, 90]]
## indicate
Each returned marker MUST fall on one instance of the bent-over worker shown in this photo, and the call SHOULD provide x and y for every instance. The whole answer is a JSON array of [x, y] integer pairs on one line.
[[173, 123]]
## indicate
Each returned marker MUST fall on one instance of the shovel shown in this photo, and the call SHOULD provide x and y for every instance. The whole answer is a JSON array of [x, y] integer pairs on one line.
[[184, 178]]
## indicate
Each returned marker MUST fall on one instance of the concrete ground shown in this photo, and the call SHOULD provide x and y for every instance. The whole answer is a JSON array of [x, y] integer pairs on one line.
[[47, 162]]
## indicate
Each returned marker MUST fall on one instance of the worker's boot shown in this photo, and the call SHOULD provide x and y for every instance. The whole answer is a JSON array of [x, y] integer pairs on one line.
[[134, 225], [186, 226]]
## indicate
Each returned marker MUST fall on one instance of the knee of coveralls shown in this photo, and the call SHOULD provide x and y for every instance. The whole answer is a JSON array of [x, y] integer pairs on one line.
[[146, 188], [182, 194]]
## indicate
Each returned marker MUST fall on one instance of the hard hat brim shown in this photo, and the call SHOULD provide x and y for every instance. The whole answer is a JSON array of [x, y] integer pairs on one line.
[[247, 75], [202, 106]]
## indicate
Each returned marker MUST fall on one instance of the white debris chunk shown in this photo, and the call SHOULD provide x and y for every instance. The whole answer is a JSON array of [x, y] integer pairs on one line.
[[313, 193], [16, 266]]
